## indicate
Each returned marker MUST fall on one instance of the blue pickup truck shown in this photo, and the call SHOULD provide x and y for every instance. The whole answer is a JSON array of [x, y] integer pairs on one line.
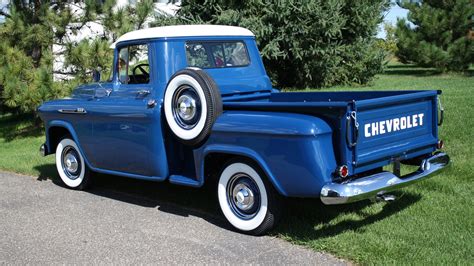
[[187, 104]]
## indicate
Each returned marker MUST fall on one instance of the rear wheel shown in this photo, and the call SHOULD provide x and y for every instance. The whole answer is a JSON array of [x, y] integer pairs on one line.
[[71, 166], [247, 200]]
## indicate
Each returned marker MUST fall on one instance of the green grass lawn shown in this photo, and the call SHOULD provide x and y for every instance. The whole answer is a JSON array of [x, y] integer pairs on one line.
[[20, 139], [430, 222]]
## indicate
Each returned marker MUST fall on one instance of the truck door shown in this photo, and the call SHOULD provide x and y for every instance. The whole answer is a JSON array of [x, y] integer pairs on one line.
[[123, 121]]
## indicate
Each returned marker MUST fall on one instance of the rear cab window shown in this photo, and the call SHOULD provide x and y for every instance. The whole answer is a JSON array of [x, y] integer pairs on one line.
[[213, 54]]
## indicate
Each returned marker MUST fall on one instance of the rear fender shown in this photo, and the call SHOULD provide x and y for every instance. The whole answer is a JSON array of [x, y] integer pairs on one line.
[[237, 151], [294, 150]]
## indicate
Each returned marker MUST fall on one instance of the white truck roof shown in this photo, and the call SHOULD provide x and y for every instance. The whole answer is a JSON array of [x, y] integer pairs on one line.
[[183, 31]]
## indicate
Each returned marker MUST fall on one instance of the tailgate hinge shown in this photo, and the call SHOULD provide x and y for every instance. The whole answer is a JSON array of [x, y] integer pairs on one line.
[[349, 118]]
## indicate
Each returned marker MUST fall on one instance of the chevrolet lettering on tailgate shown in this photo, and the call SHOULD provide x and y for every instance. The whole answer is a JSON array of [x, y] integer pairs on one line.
[[392, 125]]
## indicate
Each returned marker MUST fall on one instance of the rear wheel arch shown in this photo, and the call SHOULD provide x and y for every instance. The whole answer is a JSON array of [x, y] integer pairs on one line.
[[214, 163]]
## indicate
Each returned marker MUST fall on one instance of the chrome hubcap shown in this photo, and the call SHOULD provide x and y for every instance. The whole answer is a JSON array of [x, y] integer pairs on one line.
[[186, 107], [70, 162], [243, 196]]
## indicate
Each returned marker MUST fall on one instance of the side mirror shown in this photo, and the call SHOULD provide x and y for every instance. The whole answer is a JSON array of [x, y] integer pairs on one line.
[[96, 74], [102, 92]]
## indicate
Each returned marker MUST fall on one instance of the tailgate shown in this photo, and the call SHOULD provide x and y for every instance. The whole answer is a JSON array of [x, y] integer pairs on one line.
[[394, 128]]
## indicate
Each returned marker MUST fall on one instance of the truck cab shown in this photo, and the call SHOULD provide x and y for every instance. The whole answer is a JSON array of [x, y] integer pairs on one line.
[[189, 103]]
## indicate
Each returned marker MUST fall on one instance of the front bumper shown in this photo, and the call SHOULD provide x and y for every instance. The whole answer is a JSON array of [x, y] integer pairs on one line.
[[380, 183], [43, 150]]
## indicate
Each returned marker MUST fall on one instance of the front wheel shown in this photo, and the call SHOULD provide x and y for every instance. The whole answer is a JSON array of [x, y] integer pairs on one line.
[[71, 166], [248, 201]]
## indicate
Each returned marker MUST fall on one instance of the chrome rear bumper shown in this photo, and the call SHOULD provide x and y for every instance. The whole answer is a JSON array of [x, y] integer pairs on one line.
[[380, 183]]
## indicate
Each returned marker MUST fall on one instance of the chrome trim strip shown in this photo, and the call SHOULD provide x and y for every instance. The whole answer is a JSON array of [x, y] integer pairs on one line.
[[380, 183], [441, 112], [78, 110]]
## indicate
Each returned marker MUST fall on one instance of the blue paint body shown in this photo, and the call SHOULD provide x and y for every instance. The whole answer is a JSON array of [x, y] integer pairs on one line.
[[298, 139]]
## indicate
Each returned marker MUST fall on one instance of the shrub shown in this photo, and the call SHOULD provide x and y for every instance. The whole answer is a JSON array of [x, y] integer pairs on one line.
[[304, 43]]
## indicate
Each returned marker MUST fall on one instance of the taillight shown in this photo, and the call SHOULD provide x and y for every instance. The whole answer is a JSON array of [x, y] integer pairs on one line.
[[343, 171], [440, 145]]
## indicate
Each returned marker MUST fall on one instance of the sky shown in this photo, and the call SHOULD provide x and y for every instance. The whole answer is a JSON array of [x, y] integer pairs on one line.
[[391, 17], [3, 3]]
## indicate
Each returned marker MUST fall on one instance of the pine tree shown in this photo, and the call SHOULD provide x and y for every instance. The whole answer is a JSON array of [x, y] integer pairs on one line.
[[89, 54], [30, 30], [26, 38], [304, 43], [438, 34]]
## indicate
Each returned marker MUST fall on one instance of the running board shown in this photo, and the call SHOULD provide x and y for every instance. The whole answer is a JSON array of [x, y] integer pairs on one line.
[[185, 181]]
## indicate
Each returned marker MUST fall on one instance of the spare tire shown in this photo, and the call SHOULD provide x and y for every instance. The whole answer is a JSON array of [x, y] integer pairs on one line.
[[192, 104]]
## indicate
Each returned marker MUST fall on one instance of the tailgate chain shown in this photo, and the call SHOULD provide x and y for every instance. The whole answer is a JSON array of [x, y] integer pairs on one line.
[[353, 116]]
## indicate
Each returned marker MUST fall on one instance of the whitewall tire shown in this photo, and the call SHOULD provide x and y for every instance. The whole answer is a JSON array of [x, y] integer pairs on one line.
[[247, 200], [71, 165], [191, 104]]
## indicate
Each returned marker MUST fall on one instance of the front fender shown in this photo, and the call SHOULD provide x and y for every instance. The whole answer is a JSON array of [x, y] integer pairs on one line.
[[66, 125]]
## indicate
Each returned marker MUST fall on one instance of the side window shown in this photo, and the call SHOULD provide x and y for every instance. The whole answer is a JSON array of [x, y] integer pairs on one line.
[[236, 54], [133, 66], [197, 55], [122, 65], [217, 54]]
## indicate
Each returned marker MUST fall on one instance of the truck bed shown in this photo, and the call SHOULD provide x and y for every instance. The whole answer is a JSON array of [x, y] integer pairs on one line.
[[371, 129]]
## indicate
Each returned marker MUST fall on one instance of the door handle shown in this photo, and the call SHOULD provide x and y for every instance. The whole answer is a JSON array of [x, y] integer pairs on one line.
[[78, 110], [143, 93]]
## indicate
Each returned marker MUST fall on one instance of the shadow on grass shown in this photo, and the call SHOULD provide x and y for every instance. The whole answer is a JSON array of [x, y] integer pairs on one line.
[[299, 222], [398, 66], [311, 220], [413, 70], [410, 71], [19, 126]]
